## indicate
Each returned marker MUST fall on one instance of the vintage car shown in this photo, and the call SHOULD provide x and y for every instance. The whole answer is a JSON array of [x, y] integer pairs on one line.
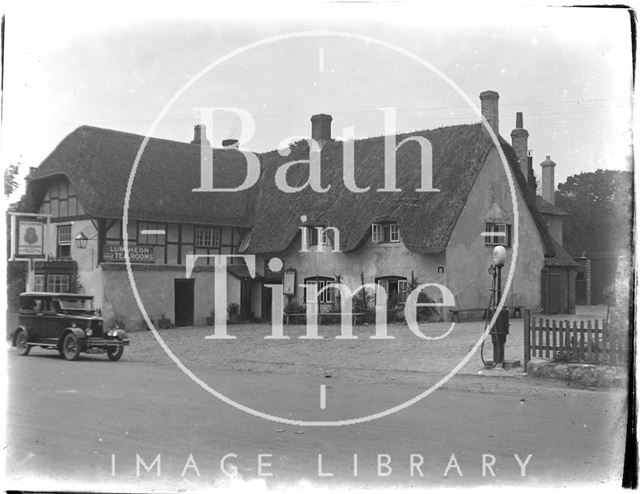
[[66, 322]]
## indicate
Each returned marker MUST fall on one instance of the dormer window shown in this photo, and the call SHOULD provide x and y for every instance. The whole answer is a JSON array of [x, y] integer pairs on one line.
[[317, 236], [323, 238], [385, 233]]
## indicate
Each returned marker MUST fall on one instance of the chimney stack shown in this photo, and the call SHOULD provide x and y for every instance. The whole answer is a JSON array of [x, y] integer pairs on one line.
[[489, 106], [200, 135], [230, 143], [531, 178], [520, 144], [548, 180], [321, 128]]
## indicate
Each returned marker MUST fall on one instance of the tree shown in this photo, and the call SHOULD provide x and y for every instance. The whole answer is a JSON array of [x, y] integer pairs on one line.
[[600, 211], [10, 182]]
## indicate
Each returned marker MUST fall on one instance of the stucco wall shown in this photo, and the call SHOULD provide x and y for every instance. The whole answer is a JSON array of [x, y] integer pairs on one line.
[[157, 292], [371, 260], [468, 258]]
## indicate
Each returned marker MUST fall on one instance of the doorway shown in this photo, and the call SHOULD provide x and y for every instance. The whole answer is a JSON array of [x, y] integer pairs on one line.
[[184, 301], [245, 299], [266, 303]]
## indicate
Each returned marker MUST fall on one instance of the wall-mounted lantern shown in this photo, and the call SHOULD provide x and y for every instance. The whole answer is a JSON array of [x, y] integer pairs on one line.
[[81, 240]]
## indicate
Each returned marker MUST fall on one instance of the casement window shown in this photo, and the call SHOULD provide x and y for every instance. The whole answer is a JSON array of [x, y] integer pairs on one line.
[[497, 234], [312, 236], [396, 286], [38, 283], [327, 296], [320, 236], [317, 236], [63, 241], [385, 233], [150, 233], [58, 283], [207, 237]]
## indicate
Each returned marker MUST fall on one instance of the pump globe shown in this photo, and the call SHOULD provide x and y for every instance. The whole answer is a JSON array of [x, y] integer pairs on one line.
[[499, 255]]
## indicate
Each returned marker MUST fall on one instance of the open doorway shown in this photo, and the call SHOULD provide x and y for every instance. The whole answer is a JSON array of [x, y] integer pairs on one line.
[[184, 302]]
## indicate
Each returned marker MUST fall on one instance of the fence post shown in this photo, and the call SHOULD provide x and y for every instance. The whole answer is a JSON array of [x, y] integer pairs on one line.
[[613, 347], [596, 342], [606, 355], [590, 358], [527, 350]]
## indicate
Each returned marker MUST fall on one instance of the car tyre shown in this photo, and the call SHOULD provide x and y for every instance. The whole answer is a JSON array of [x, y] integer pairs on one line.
[[70, 347], [21, 342], [114, 353]]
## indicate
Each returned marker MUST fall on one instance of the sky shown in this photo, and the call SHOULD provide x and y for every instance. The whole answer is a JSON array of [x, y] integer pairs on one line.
[[114, 66]]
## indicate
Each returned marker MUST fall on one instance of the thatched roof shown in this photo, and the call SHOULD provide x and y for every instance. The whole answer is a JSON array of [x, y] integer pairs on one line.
[[426, 219], [98, 163]]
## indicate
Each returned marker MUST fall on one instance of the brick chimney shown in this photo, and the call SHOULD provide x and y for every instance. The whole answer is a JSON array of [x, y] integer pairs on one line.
[[200, 135], [520, 144], [489, 106], [548, 180], [230, 143], [321, 128]]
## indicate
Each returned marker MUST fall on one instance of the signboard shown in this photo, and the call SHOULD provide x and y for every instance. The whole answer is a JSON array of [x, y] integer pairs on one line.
[[289, 283], [30, 238], [115, 253]]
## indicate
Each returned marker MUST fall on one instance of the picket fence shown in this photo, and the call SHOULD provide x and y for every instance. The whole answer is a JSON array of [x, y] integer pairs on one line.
[[573, 341]]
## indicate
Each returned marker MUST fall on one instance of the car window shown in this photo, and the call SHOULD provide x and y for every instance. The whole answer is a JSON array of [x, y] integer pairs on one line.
[[80, 303], [47, 306], [55, 305], [29, 304]]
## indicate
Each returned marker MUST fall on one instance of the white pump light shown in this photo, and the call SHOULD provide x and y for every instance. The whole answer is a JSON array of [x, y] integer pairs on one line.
[[499, 255]]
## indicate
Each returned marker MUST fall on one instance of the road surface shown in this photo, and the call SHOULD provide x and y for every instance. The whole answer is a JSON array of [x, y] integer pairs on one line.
[[100, 425]]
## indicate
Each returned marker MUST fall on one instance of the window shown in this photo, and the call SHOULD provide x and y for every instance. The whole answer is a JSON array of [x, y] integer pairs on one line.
[[58, 283], [63, 241], [322, 236], [396, 287], [38, 283], [327, 296], [207, 237], [580, 276], [497, 234], [385, 233], [151, 233], [403, 290], [314, 239]]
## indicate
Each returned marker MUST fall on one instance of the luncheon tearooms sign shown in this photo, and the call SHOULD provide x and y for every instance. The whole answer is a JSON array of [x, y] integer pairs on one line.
[[136, 254]]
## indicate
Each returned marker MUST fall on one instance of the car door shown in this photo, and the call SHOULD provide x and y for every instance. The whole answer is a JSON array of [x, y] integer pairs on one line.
[[52, 322], [31, 318]]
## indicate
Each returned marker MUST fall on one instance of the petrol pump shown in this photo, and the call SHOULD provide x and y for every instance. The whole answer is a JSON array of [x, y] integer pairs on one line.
[[500, 329]]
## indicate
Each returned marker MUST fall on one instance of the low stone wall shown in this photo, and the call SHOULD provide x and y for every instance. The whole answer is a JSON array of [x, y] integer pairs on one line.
[[580, 374]]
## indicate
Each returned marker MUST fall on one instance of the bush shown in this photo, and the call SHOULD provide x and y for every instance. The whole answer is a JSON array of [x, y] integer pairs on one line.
[[295, 307]]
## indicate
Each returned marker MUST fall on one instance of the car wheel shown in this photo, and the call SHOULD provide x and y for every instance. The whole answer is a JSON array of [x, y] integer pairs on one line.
[[70, 347], [114, 353], [21, 343]]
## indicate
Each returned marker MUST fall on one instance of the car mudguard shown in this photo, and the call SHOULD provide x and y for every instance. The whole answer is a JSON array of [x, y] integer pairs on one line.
[[15, 334], [121, 335], [77, 331]]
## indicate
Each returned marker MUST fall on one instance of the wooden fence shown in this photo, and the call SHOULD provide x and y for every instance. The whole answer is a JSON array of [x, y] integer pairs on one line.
[[578, 341]]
